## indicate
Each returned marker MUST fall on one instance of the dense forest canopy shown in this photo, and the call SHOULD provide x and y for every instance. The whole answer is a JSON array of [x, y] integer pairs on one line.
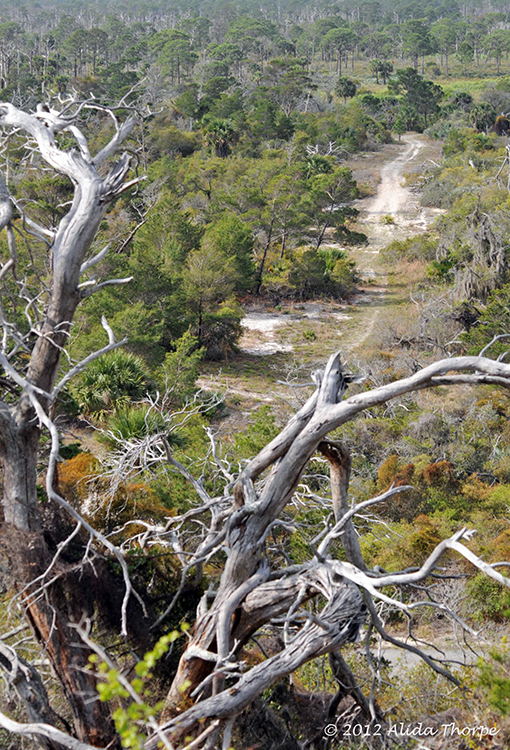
[[67, 37]]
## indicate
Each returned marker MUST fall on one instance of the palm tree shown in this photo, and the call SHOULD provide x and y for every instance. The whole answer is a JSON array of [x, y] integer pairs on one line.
[[220, 134], [115, 378], [137, 422]]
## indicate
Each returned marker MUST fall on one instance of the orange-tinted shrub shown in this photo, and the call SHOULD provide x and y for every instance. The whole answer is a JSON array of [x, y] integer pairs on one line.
[[387, 471], [426, 537], [439, 474], [74, 476]]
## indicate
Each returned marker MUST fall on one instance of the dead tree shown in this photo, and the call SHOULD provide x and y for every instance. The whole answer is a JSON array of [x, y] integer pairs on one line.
[[97, 180], [255, 588], [211, 686], [250, 593]]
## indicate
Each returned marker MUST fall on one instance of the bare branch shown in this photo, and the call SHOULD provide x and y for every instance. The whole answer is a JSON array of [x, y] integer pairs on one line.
[[337, 529], [84, 364], [123, 131], [19, 379], [340, 623], [110, 282], [96, 259], [84, 634], [43, 730], [5, 204], [493, 341]]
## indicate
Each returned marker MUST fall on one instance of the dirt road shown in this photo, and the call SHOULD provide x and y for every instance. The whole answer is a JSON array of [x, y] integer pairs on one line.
[[307, 333], [393, 213], [393, 198]]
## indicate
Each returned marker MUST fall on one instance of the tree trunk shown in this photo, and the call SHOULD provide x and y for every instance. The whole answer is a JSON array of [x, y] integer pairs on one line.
[[251, 594], [49, 613], [264, 255], [321, 235], [69, 660], [18, 455], [51, 607], [284, 241]]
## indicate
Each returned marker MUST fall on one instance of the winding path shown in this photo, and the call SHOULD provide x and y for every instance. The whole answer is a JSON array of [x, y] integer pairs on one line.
[[393, 213]]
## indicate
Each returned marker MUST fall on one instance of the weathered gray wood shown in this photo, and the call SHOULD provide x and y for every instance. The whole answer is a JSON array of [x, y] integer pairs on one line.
[[340, 621], [253, 514], [19, 425]]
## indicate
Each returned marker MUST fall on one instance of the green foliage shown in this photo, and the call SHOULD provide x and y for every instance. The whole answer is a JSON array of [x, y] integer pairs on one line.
[[176, 57], [221, 329], [167, 138], [387, 219], [47, 196], [346, 88], [135, 422], [232, 238], [71, 450], [381, 68], [441, 269], [180, 369], [287, 82], [306, 273], [460, 141], [115, 378], [495, 678], [261, 431], [493, 321], [405, 543], [137, 709], [220, 134], [327, 202], [209, 279], [399, 127], [234, 203], [422, 96], [490, 599]]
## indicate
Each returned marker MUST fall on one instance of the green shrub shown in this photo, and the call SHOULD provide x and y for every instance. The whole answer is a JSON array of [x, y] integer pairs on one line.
[[421, 248], [260, 432], [221, 331], [135, 422], [180, 369], [495, 678], [115, 378], [491, 599], [137, 709]]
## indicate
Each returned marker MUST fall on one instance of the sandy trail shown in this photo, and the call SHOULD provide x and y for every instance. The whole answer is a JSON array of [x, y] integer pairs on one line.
[[393, 199], [393, 213], [260, 327]]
